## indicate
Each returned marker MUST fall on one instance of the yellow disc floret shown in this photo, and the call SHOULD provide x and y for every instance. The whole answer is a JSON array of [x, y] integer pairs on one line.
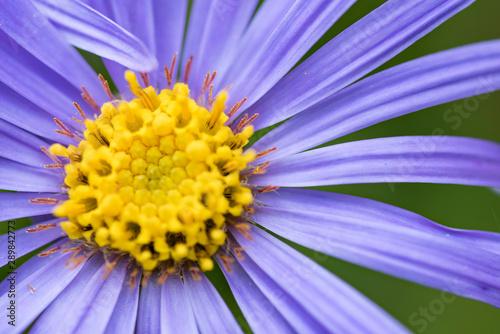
[[156, 177]]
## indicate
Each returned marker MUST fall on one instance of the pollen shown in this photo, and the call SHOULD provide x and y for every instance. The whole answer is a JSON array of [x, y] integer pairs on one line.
[[157, 177]]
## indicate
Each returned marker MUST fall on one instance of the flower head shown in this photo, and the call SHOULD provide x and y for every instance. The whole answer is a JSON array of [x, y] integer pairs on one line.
[[139, 191]]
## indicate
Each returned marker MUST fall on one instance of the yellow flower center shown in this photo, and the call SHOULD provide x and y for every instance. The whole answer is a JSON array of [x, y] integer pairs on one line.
[[156, 178]]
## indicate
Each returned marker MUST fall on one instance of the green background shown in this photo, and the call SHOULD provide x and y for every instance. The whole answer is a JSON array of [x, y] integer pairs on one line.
[[451, 205]]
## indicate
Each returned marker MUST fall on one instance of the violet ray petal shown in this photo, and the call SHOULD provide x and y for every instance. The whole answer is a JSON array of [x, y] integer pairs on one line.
[[48, 283], [24, 114], [21, 146], [79, 294], [361, 48], [260, 314], [16, 176], [212, 29], [336, 305], [302, 26], [87, 29], [124, 314], [412, 86], [100, 310], [148, 316], [17, 205], [27, 26], [427, 159], [340, 207], [25, 242], [412, 253], [175, 308], [211, 313]]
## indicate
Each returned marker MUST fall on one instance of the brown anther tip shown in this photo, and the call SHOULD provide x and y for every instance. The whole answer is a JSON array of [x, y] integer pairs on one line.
[[89, 99], [145, 278], [32, 289], [145, 78], [266, 152], [105, 85], [187, 70], [41, 200], [267, 189], [236, 107], [50, 251]]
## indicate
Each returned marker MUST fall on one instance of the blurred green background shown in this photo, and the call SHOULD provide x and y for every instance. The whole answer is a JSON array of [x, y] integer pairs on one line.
[[451, 205]]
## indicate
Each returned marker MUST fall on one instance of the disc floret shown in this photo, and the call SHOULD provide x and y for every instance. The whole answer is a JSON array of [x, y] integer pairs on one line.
[[157, 177]]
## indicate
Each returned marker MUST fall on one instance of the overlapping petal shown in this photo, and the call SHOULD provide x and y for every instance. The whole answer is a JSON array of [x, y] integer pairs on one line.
[[361, 48], [427, 159], [387, 239]]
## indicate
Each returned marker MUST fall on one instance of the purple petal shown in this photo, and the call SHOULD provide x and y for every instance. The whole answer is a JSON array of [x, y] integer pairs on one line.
[[176, 312], [22, 146], [300, 28], [78, 296], [27, 26], [48, 283], [100, 310], [25, 242], [17, 205], [428, 159], [213, 28], [336, 305], [260, 314], [357, 51], [387, 239], [211, 313], [125, 312], [30, 78], [17, 110], [148, 317], [19, 177], [412, 86], [87, 29]]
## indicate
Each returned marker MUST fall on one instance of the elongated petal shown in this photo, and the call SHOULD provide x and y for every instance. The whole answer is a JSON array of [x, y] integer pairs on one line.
[[260, 314], [22, 21], [48, 282], [357, 51], [301, 27], [387, 239], [148, 317], [124, 314], [21, 146], [26, 115], [213, 28], [25, 242], [428, 159], [415, 85], [79, 295], [211, 313], [337, 306], [100, 310], [176, 313], [17, 205], [87, 29], [16, 176]]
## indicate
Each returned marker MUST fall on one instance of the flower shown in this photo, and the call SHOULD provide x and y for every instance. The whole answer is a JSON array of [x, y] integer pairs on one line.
[[156, 182]]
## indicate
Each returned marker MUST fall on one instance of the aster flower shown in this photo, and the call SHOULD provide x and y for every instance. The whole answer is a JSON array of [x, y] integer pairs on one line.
[[138, 192]]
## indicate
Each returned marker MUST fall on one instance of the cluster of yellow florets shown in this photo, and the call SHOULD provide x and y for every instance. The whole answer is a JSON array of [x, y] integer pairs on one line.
[[156, 177]]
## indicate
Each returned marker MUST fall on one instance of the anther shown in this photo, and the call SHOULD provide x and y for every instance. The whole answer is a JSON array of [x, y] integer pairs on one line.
[[259, 169], [50, 251], [41, 227], [267, 189], [195, 272], [89, 99], [237, 252], [41, 200], [170, 71], [80, 111], [32, 289], [187, 70], [246, 122], [105, 85], [266, 152], [236, 107], [145, 278], [65, 131], [58, 163]]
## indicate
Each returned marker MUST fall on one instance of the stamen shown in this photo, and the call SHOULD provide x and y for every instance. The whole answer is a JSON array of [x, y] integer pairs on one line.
[[236, 107], [244, 122], [42, 200], [266, 152], [145, 278], [50, 251], [105, 85], [133, 278], [81, 114], [138, 91], [267, 189], [32, 289], [170, 71], [89, 99], [237, 252], [195, 272], [187, 70], [110, 267], [65, 131], [41, 227], [58, 163], [145, 78]]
